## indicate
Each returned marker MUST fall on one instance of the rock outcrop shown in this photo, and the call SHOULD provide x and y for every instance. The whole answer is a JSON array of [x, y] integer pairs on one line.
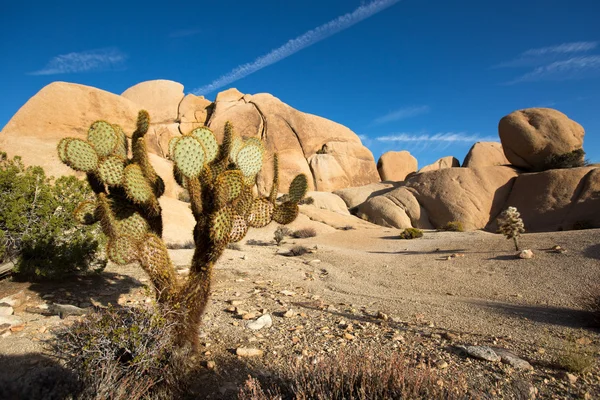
[[444, 162], [396, 165], [161, 98], [485, 154], [530, 136], [355, 196]]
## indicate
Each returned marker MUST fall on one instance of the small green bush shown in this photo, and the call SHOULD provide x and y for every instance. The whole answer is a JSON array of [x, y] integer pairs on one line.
[[573, 159], [304, 233], [38, 230], [453, 226], [411, 233]]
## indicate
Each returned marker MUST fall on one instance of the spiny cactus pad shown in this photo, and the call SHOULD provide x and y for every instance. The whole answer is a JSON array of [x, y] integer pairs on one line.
[[81, 156], [239, 228], [123, 144], [84, 213], [143, 122], [111, 170], [172, 144], [236, 146], [285, 213], [103, 138], [243, 203], [136, 185], [189, 155], [132, 225], [250, 159], [261, 213], [208, 140], [62, 149], [122, 250], [228, 186], [298, 188], [220, 226]]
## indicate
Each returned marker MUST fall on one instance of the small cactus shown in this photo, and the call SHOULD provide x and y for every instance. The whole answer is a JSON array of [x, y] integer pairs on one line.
[[511, 225], [219, 179]]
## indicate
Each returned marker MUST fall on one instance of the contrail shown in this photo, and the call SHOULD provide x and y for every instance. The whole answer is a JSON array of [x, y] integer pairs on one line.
[[295, 45]]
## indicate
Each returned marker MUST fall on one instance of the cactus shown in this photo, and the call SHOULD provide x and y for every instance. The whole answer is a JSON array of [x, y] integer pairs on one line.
[[511, 225], [219, 179]]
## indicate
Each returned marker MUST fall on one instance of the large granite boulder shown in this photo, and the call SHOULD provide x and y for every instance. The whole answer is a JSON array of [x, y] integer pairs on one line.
[[530, 136], [396, 165], [444, 162], [355, 196], [328, 201], [159, 97], [397, 208], [485, 154]]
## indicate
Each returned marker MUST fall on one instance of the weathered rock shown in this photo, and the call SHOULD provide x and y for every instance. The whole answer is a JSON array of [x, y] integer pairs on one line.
[[328, 201], [485, 154], [61, 109], [398, 208], [354, 196], [193, 112], [395, 165], [178, 221], [507, 357], [557, 199], [328, 175], [483, 353], [334, 219], [264, 321], [526, 254], [6, 310], [158, 137], [248, 352], [9, 320], [531, 135], [14, 300], [164, 168], [65, 310], [444, 162], [159, 97]]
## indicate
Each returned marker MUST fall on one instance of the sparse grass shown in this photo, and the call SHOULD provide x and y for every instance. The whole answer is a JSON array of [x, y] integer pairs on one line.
[[178, 246], [307, 200], [411, 233], [297, 251], [280, 233], [304, 233], [574, 159], [453, 226], [358, 375], [574, 360]]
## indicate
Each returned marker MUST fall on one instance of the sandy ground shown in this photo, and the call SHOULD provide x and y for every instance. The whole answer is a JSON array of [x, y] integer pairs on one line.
[[486, 296]]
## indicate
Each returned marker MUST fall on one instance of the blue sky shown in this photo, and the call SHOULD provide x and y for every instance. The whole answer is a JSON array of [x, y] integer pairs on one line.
[[428, 76]]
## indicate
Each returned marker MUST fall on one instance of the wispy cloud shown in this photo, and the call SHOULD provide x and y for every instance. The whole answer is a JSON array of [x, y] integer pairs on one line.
[[572, 68], [545, 55], [402, 113], [301, 42], [447, 137], [85, 61], [185, 32]]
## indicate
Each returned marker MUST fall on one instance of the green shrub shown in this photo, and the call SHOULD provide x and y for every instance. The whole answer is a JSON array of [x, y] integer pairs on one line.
[[453, 226], [38, 230], [411, 233], [573, 159]]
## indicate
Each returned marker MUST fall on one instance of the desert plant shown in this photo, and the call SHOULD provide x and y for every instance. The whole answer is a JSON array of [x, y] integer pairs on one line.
[[453, 226], [297, 251], [37, 227], [573, 159], [280, 233], [574, 360], [304, 233], [411, 233], [219, 179], [511, 225]]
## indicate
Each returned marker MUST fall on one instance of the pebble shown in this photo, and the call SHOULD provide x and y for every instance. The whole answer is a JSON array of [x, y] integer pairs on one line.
[[6, 310], [526, 254], [263, 322], [9, 319], [211, 364], [568, 377], [289, 314], [450, 336], [482, 353], [287, 293], [383, 316], [441, 364], [248, 352], [235, 302], [249, 316]]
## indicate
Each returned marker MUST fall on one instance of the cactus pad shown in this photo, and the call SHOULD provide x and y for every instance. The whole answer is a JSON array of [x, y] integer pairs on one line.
[[103, 138], [189, 155], [132, 225], [136, 185], [172, 144], [123, 145], [261, 213], [228, 186], [143, 122], [220, 226], [208, 140], [250, 159], [84, 213], [243, 203], [236, 146], [81, 156], [110, 170], [62, 149], [122, 250], [285, 213], [298, 188], [239, 228]]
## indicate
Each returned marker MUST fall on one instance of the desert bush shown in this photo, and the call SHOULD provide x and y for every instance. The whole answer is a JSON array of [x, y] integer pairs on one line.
[[359, 375], [234, 246], [574, 360], [297, 251], [37, 225], [304, 233], [411, 233], [573, 159], [307, 200], [184, 196], [346, 228], [124, 353], [453, 226], [511, 225], [280, 233]]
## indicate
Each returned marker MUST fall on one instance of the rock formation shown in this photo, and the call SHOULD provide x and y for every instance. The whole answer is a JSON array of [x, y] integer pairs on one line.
[[485, 154], [396, 165], [444, 162]]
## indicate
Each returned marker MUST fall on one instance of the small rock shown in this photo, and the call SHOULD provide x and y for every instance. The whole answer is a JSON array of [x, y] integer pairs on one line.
[[9, 320], [17, 328], [450, 336], [568, 377], [382, 316], [348, 336], [287, 293], [14, 300], [583, 341], [511, 359], [211, 364], [235, 302], [482, 353], [526, 254], [289, 314], [441, 364], [249, 316], [248, 352], [6, 310], [263, 322]]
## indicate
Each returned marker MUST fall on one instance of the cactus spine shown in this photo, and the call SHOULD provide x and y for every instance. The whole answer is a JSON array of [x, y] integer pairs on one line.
[[219, 179]]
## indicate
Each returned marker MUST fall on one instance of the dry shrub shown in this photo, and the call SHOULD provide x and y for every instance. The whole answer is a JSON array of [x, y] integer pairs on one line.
[[297, 251], [184, 196], [179, 246], [574, 360], [125, 353], [357, 375], [411, 233], [234, 246], [280, 233], [304, 233], [307, 200], [453, 226], [574, 159]]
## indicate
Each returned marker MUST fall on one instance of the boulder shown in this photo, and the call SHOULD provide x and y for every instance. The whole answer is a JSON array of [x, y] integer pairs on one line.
[[58, 110], [158, 137], [558, 199], [328, 201], [395, 165], [445, 162], [178, 220], [328, 174], [532, 135], [397, 208], [159, 97], [334, 219], [354, 196], [485, 154], [193, 112], [471, 196], [164, 168]]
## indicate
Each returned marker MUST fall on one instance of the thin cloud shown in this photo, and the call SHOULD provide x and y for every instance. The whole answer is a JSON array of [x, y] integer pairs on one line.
[[545, 55], [85, 61], [301, 42], [185, 32], [402, 113], [445, 137], [573, 68]]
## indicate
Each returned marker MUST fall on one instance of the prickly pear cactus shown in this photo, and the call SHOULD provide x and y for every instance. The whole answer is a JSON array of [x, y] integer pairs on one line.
[[219, 179]]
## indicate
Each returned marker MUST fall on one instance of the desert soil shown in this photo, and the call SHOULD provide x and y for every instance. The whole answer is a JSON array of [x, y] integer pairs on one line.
[[365, 288]]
